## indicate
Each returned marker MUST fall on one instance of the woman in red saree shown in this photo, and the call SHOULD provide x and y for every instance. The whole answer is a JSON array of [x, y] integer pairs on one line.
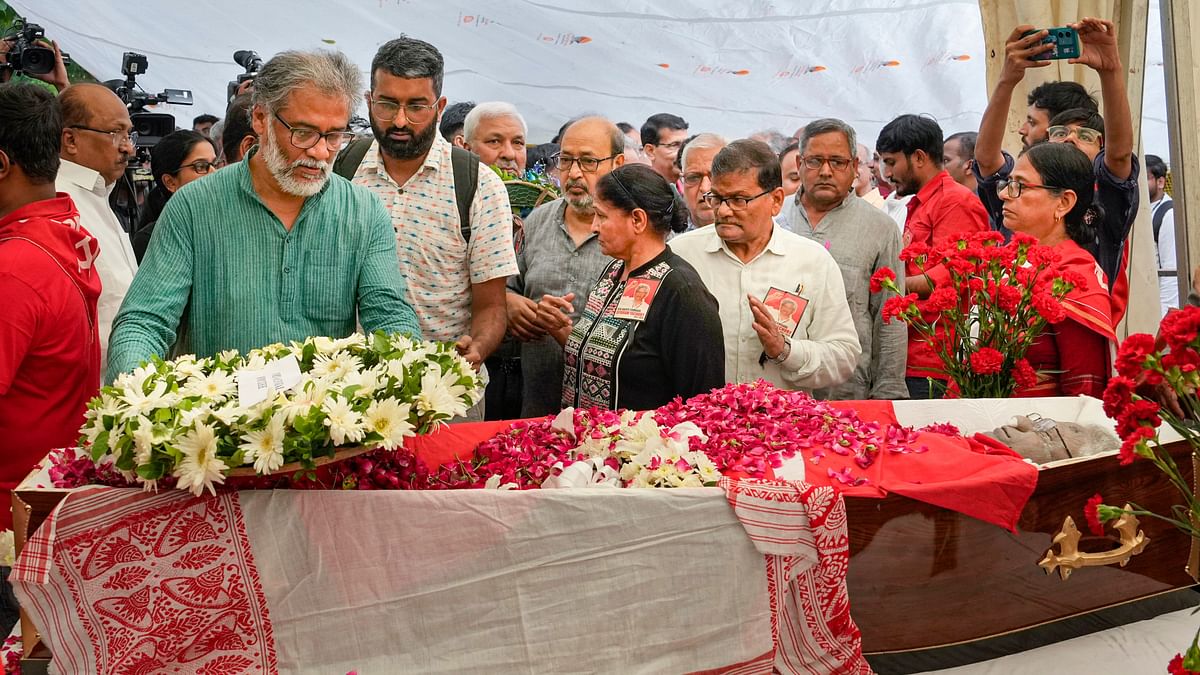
[[1049, 197]]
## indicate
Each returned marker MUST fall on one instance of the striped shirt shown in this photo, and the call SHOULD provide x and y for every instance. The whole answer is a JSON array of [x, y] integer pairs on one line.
[[222, 272], [435, 260]]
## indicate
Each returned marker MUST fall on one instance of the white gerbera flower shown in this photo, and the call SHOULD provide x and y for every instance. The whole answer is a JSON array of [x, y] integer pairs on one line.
[[137, 403], [345, 424], [198, 413], [309, 393], [336, 366], [389, 418], [351, 340], [217, 386], [201, 467], [324, 344], [441, 393], [265, 446], [367, 381]]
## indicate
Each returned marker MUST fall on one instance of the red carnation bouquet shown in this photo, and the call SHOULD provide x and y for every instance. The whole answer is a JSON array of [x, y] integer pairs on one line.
[[1169, 366], [990, 301]]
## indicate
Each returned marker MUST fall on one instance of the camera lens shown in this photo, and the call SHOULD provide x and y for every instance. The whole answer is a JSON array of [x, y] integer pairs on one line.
[[37, 60]]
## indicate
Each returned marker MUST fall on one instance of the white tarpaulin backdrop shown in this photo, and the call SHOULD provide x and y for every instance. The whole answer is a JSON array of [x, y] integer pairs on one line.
[[733, 68]]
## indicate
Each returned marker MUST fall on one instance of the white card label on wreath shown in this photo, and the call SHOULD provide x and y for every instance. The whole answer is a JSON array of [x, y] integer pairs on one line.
[[259, 385]]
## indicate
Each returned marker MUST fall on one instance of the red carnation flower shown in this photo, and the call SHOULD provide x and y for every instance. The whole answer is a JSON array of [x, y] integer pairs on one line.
[[1010, 298], [895, 306], [1179, 328], [987, 361], [1050, 309], [941, 299], [1020, 238], [1024, 374], [1175, 667], [1091, 512], [1118, 396], [1131, 359], [914, 251], [881, 275]]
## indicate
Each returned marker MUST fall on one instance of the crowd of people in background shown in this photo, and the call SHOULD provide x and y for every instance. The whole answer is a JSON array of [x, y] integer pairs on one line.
[[672, 261]]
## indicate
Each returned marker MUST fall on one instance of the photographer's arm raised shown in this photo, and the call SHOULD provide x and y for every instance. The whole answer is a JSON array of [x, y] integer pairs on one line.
[[1017, 53], [1099, 51]]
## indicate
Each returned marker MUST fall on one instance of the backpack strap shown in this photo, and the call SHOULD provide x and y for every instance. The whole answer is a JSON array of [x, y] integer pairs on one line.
[[466, 179], [351, 156], [1159, 214]]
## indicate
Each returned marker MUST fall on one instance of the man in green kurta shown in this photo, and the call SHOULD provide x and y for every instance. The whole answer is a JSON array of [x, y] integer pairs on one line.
[[273, 248]]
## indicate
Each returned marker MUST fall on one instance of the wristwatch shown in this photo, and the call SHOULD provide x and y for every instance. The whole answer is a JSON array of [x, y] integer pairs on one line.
[[787, 350]]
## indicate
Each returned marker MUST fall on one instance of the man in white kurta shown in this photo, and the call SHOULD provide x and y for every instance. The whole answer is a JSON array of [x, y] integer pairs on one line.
[[96, 146], [745, 255]]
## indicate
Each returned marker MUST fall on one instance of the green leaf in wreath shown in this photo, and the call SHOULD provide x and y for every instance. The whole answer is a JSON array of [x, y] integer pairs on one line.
[[151, 471], [100, 446]]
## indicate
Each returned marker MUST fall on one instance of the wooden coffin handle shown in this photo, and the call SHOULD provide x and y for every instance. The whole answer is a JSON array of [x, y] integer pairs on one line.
[[1069, 558]]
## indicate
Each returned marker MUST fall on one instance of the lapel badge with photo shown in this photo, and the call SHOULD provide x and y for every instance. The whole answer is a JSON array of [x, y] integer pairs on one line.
[[635, 301], [786, 308]]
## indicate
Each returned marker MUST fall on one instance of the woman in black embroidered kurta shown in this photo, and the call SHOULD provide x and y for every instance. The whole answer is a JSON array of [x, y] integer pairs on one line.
[[650, 330]]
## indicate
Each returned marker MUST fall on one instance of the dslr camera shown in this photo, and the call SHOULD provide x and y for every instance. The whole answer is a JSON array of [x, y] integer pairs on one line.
[[251, 62], [27, 55]]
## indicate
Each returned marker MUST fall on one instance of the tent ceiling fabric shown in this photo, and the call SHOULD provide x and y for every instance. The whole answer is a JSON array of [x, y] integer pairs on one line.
[[733, 68]]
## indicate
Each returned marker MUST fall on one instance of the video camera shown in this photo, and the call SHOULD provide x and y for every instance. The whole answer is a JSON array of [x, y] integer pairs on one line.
[[251, 62], [26, 55], [150, 126]]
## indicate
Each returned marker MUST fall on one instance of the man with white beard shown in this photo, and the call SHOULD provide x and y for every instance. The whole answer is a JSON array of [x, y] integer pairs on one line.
[[273, 248]]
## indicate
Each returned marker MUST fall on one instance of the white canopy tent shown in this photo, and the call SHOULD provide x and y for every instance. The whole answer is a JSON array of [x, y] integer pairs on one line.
[[732, 68]]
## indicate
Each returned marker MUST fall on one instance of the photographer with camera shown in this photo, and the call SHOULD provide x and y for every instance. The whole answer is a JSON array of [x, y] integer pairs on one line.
[[27, 51], [98, 141]]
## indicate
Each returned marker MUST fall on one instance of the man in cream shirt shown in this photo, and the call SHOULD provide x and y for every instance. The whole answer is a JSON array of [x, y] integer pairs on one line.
[[96, 147], [746, 255]]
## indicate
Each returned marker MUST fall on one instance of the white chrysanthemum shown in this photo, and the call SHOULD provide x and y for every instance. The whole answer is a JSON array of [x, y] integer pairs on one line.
[[255, 361], [217, 385], [265, 446], [228, 356], [441, 393], [201, 467], [345, 424], [335, 367], [187, 369], [389, 418]]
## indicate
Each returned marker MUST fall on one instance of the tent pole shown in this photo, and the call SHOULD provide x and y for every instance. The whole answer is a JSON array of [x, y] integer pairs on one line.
[[1179, 18]]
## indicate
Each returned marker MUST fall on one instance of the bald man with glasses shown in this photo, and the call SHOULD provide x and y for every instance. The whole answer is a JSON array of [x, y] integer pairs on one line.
[[561, 255]]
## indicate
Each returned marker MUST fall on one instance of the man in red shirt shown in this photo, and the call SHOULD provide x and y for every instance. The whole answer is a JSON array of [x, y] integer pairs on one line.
[[910, 152], [49, 343]]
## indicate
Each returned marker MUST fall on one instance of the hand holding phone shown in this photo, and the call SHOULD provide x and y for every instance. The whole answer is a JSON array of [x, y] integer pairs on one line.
[[1065, 41]]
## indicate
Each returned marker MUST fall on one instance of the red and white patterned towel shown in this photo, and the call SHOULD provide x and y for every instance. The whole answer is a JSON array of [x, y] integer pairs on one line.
[[801, 530], [124, 582]]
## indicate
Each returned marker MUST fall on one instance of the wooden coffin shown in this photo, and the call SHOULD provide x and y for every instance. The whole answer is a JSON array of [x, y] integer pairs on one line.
[[923, 577]]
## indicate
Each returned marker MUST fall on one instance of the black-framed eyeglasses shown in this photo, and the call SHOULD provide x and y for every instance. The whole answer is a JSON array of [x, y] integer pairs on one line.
[[739, 203], [586, 164], [306, 138], [118, 137], [203, 166], [1059, 133], [835, 163], [695, 178], [1014, 187], [673, 145], [386, 111]]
